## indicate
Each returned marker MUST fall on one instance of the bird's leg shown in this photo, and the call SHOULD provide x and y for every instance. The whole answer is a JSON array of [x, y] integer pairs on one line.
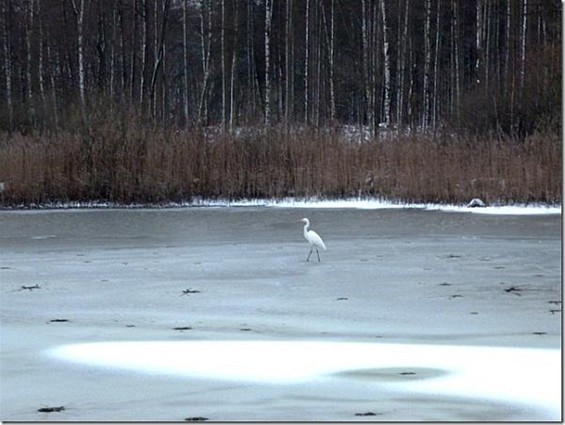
[[308, 258], [317, 252]]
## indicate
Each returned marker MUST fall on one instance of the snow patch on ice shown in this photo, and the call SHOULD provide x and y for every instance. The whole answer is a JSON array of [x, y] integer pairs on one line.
[[516, 375]]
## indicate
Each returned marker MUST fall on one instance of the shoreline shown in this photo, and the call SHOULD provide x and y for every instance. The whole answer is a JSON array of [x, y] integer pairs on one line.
[[518, 208]]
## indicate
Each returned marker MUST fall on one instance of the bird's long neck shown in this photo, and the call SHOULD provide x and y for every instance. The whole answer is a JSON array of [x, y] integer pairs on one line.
[[306, 228]]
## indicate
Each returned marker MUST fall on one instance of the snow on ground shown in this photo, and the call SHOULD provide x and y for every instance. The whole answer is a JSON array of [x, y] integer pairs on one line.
[[517, 209], [316, 203]]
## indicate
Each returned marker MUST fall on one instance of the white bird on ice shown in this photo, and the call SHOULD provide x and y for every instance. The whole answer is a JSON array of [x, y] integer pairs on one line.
[[313, 239]]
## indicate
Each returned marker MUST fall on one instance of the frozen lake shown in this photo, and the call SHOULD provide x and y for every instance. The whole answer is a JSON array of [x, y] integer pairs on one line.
[[162, 315]]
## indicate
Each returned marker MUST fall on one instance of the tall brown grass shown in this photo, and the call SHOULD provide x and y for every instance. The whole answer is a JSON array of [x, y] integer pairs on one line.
[[122, 161]]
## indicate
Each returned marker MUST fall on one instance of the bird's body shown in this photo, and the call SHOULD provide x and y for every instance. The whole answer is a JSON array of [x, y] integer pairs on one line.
[[313, 239]]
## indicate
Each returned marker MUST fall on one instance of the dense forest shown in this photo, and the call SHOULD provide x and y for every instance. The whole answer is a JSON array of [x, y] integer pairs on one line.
[[82, 80], [479, 64]]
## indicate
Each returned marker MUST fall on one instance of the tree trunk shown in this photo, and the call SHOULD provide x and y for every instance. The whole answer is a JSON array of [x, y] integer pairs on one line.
[[332, 62], [133, 63], [366, 66], [205, 45], [159, 56], [143, 65], [268, 28], [401, 63], [185, 59], [523, 35], [7, 60], [306, 63], [427, 65], [233, 114], [223, 65], [435, 96], [79, 15], [40, 62], [387, 89], [456, 72], [288, 65], [29, 55]]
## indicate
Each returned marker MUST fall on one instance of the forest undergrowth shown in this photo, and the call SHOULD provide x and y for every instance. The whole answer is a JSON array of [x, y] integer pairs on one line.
[[123, 162]]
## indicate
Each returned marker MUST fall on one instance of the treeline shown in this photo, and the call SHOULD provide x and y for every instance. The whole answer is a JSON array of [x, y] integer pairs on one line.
[[475, 65]]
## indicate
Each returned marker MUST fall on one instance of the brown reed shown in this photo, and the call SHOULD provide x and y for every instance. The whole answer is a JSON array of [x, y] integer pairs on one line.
[[124, 162]]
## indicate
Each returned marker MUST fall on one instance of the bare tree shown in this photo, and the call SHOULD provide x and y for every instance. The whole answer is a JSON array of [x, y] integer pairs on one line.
[[427, 65], [523, 34], [367, 69], [223, 62], [289, 59], [79, 15], [306, 62], [456, 66], [7, 59], [185, 58], [234, 69], [403, 24], [144, 47], [159, 54], [386, 64], [205, 46], [268, 29], [435, 97]]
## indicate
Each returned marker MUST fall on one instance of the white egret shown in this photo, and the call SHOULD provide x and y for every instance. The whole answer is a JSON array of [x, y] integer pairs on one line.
[[313, 239]]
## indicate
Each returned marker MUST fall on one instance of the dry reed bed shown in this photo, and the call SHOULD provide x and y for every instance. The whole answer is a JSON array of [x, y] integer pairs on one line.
[[125, 163]]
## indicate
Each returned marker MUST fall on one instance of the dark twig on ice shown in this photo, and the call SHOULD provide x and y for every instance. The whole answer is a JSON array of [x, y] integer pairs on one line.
[[514, 290], [30, 288], [189, 291], [51, 409]]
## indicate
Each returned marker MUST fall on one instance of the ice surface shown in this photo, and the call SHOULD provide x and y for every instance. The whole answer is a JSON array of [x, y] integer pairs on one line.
[[445, 286]]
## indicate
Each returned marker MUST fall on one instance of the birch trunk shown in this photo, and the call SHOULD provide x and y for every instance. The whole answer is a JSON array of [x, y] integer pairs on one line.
[[185, 59], [268, 24], [40, 61], [366, 66], [387, 91], [79, 14], [159, 57], [133, 63], [206, 42], [288, 64], [332, 50], [144, 31], [427, 65], [401, 63], [478, 41], [223, 65], [28, 36], [435, 96], [523, 35], [251, 70], [306, 62], [7, 63], [233, 114], [456, 64]]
